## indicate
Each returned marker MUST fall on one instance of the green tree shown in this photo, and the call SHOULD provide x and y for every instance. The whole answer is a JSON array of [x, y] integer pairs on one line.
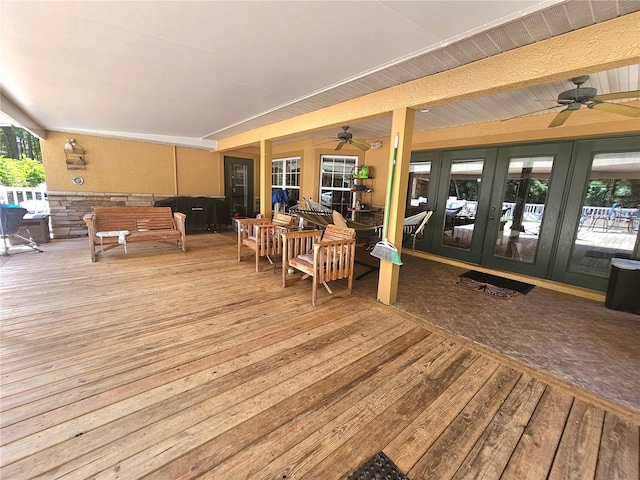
[[23, 172], [16, 142], [20, 158]]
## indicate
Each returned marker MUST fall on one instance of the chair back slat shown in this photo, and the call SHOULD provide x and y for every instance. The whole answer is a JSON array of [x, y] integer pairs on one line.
[[333, 232], [323, 255]]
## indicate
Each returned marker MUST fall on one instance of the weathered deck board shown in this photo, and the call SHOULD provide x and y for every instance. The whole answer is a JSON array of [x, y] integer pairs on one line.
[[156, 365]]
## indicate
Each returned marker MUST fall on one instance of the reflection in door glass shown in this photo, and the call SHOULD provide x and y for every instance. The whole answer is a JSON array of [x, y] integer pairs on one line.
[[418, 190], [522, 209], [610, 213], [239, 189], [462, 203]]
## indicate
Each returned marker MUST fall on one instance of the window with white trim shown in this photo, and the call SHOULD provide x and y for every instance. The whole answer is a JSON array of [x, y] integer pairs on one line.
[[285, 182], [335, 182]]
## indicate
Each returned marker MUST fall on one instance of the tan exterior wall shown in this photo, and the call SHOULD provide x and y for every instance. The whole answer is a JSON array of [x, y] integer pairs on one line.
[[127, 166], [310, 160], [198, 173], [123, 172]]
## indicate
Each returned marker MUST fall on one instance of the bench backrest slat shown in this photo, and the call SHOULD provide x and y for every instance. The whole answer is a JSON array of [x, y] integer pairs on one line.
[[133, 218]]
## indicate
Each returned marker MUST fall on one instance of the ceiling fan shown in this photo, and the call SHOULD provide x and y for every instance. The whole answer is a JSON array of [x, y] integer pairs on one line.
[[347, 137], [575, 98]]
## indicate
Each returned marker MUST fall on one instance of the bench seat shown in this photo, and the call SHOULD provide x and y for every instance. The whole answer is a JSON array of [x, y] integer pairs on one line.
[[144, 224]]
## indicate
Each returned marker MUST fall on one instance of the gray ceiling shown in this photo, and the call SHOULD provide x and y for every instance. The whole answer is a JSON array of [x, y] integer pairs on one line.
[[190, 73]]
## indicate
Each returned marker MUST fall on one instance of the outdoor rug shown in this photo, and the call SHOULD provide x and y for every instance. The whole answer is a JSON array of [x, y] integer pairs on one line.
[[606, 255], [493, 285], [378, 467]]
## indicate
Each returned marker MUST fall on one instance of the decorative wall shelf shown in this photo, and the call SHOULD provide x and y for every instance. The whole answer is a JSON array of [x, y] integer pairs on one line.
[[75, 156]]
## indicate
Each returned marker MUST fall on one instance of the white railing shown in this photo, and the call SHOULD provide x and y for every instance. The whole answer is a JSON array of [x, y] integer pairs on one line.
[[535, 211], [34, 199]]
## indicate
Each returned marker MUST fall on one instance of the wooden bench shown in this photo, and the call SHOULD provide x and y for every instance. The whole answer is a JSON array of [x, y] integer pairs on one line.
[[143, 224], [262, 236], [322, 255]]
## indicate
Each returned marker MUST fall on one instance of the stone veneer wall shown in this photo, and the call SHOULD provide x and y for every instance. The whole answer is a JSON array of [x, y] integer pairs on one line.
[[68, 208]]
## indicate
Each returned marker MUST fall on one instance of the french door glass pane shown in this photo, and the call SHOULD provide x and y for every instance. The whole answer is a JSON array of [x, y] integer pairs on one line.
[[523, 204], [239, 189], [462, 203], [419, 175], [610, 213]]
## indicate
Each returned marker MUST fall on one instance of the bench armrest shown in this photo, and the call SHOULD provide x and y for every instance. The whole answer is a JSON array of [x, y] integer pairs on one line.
[[179, 219], [90, 220]]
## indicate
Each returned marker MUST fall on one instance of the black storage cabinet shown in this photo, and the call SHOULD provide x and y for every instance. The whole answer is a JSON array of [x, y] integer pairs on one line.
[[203, 213], [623, 292]]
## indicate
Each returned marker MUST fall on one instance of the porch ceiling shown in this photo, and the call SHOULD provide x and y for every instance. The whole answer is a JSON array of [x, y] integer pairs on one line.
[[192, 73]]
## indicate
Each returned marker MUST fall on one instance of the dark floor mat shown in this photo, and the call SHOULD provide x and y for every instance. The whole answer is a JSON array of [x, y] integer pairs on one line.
[[606, 255], [378, 467], [520, 287]]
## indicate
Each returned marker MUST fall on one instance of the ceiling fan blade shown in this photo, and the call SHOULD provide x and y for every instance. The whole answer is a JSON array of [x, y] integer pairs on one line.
[[560, 118], [620, 109], [531, 113], [619, 95], [339, 146], [360, 145], [324, 143]]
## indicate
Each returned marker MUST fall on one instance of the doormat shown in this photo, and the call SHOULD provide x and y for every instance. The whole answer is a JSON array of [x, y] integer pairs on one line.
[[378, 467], [492, 290], [606, 255], [500, 282]]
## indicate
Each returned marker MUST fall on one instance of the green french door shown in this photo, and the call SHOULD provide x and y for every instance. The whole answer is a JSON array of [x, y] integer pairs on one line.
[[500, 207], [525, 208], [560, 210], [602, 214], [461, 206]]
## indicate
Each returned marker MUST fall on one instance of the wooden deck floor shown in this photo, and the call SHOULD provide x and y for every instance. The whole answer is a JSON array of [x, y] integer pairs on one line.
[[166, 365]]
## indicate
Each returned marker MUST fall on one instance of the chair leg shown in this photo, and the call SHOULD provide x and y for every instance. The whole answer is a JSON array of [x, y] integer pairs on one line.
[[314, 292]]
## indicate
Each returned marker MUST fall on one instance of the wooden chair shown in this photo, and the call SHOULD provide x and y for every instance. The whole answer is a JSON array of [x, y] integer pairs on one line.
[[323, 256], [262, 236]]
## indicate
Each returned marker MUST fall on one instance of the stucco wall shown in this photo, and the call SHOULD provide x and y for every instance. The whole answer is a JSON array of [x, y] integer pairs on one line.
[[127, 166], [122, 172]]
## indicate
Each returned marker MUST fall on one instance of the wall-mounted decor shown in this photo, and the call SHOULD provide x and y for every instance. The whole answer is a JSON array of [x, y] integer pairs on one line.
[[75, 155]]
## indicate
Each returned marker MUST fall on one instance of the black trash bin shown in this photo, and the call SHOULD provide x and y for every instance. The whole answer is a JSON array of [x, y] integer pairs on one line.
[[623, 292]]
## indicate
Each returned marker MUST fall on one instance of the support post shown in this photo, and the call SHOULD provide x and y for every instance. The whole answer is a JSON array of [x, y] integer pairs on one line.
[[265, 178], [402, 123]]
